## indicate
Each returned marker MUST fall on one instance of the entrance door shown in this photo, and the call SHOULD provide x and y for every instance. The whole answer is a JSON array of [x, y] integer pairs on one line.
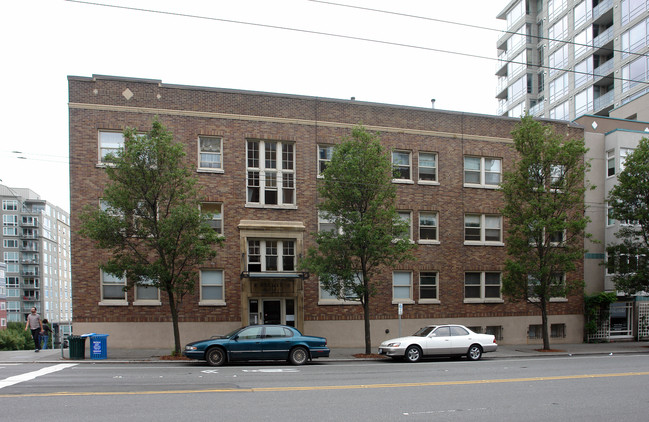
[[272, 311]]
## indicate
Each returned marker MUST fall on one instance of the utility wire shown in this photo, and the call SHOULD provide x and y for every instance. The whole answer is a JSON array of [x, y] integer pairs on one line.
[[349, 37]]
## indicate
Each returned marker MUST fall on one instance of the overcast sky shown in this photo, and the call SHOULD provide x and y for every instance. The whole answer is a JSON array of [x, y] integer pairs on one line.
[[212, 43]]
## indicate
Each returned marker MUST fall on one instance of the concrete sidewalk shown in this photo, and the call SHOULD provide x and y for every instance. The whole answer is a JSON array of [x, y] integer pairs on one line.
[[337, 354]]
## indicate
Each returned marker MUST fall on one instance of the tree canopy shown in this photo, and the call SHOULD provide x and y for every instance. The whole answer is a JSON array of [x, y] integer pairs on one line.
[[629, 202], [367, 235], [544, 205], [150, 219]]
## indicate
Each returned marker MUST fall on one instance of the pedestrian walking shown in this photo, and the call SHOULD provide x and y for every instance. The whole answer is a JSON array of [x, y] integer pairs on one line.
[[46, 333], [35, 324]]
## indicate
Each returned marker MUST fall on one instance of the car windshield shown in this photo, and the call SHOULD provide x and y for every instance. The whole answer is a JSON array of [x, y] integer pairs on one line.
[[423, 332]]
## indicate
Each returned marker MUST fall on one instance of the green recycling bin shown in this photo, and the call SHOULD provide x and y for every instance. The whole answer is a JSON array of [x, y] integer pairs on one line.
[[77, 347]]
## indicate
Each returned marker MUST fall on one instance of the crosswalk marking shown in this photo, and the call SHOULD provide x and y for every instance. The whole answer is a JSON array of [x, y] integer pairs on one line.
[[34, 374]]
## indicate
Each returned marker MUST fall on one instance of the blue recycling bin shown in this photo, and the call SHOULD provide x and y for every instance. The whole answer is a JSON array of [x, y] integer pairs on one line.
[[98, 348]]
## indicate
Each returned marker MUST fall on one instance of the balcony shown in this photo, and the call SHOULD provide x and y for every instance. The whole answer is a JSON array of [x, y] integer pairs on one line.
[[537, 110], [30, 260], [604, 103], [29, 222], [29, 272], [603, 12], [604, 40]]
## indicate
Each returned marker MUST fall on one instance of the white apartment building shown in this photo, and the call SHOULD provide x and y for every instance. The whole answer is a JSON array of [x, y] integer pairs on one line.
[[35, 245], [562, 59]]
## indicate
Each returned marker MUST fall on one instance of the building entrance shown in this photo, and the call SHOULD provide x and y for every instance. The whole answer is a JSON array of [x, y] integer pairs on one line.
[[272, 311]]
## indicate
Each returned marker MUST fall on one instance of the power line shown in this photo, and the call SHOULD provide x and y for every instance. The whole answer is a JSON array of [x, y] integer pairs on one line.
[[351, 37]]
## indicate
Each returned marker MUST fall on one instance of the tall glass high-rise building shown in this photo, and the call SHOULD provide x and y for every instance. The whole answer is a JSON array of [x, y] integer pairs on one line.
[[562, 59]]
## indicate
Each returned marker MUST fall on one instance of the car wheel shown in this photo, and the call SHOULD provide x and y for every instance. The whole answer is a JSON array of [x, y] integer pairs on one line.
[[413, 354], [475, 352], [298, 356], [215, 356]]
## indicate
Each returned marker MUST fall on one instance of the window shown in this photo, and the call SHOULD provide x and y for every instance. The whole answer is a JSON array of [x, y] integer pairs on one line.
[[632, 9], [624, 152], [535, 332], [401, 165], [610, 163], [10, 243], [482, 229], [407, 217], [271, 173], [558, 31], [515, 13], [558, 330], [558, 60], [401, 286], [210, 155], [482, 286], [583, 12], [427, 167], [428, 286], [583, 72], [635, 38], [583, 42], [584, 101], [559, 87], [112, 288], [561, 112], [271, 255], [146, 292], [482, 171], [555, 8], [214, 210], [517, 89], [428, 227], [342, 296], [109, 143], [9, 205], [556, 288], [211, 282], [325, 152], [634, 73]]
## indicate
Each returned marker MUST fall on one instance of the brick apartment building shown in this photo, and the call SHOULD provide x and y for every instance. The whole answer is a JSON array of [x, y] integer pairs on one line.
[[450, 164]]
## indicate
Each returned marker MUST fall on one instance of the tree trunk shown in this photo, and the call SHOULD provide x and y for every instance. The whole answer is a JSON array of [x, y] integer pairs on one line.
[[174, 318], [366, 317], [544, 318]]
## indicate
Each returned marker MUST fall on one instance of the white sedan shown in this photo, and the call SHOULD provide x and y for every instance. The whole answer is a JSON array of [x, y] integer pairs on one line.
[[439, 340]]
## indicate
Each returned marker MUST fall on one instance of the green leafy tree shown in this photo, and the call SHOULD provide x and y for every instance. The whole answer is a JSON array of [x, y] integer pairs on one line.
[[150, 218], [629, 202], [358, 199], [544, 205]]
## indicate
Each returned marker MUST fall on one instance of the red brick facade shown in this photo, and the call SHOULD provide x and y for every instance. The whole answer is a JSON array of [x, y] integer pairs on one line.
[[108, 103]]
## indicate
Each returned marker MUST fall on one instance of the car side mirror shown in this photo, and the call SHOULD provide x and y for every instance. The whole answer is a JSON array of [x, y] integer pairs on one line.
[[236, 338]]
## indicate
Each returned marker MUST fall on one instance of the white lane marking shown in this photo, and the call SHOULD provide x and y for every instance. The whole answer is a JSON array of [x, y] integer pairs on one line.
[[31, 375], [271, 370]]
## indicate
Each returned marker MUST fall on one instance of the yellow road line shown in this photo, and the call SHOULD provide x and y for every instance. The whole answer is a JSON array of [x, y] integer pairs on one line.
[[330, 387]]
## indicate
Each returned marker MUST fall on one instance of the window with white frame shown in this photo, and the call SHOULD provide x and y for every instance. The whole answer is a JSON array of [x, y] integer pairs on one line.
[[210, 155], [112, 288], [325, 224], [583, 12], [428, 227], [584, 101], [427, 167], [401, 164], [556, 7], [561, 112], [583, 42], [146, 292], [211, 282], [558, 31], [482, 286], [407, 217], [583, 72], [428, 286], [270, 173], [482, 229], [215, 212], [630, 9], [610, 163], [635, 73], [624, 152], [9, 205], [325, 152], [271, 255], [10, 243], [482, 171], [635, 38], [557, 283], [558, 60], [109, 143], [343, 295], [401, 286], [559, 87]]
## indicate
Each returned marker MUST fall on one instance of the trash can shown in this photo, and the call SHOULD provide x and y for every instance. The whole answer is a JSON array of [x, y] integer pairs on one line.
[[77, 345], [98, 348]]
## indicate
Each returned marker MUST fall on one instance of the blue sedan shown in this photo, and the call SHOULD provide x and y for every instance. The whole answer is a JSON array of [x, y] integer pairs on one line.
[[259, 342]]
